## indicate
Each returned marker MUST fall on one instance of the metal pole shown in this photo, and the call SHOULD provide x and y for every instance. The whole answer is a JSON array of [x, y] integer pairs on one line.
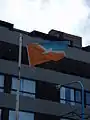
[[18, 80], [82, 87], [82, 99]]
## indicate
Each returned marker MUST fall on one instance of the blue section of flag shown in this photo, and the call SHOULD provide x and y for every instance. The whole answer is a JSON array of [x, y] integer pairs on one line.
[[56, 46]]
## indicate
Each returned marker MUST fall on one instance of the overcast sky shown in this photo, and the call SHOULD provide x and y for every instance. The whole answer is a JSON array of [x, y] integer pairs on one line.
[[71, 16]]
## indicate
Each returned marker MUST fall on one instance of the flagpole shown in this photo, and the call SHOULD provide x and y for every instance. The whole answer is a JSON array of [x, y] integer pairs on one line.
[[19, 76]]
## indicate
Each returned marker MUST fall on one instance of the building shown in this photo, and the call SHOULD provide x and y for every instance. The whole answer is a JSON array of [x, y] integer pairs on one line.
[[39, 97]]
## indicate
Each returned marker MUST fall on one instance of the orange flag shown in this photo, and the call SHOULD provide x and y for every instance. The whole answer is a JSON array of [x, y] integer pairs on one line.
[[38, 55]]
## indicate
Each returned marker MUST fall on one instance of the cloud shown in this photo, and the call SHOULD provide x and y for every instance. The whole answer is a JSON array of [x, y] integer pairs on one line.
[[44, 4], [43, 15], [84, 24], [86, 3]]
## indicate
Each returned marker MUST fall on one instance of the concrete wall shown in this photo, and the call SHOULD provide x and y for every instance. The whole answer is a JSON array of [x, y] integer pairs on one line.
[[39, 106], [41, 74], [36, 105]]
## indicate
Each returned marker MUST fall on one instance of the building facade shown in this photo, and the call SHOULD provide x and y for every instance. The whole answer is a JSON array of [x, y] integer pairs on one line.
[[39, 96]]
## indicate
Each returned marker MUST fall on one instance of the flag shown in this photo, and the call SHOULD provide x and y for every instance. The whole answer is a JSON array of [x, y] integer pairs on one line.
[[45, 52]]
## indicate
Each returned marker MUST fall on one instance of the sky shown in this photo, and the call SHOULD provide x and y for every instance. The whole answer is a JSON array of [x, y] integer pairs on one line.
[[70, 16]]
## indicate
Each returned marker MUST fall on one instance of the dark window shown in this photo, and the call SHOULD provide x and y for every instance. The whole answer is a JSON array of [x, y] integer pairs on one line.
[[47, 91], [10, 52], [87, 98], [68, 66], [40, 116], [68, 94]]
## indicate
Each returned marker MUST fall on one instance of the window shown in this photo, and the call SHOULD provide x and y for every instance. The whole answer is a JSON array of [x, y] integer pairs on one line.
[[72, 97], [27, 87], [78, 96], [62, 95], [1, 83], [22, 115], [87, 98], [67, 95], [10, 52]]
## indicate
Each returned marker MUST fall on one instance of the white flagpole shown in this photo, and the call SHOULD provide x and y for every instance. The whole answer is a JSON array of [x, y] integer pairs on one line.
[[19, 76]]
